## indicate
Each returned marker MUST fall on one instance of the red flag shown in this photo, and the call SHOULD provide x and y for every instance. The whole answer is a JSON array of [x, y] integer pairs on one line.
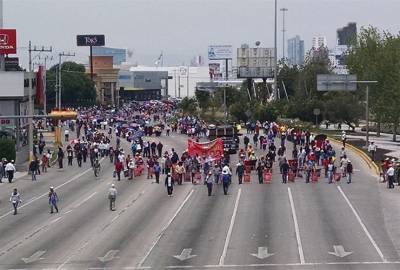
[[40, 85]]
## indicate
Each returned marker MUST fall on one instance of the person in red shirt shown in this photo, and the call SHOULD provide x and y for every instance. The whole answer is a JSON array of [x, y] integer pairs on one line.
[[118, 168]]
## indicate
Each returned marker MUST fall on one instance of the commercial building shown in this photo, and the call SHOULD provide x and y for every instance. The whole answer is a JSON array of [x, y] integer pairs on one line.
[[118, 55], [14, 100], [295, 51], [105, 79], [318, 42], [142, 85], [346, 34]]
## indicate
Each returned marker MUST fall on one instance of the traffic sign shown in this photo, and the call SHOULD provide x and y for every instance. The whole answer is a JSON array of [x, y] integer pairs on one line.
[[317, 111], [336, 82]]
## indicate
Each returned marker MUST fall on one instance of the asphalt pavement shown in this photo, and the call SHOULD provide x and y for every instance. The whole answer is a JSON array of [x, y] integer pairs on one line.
[[256, 226]]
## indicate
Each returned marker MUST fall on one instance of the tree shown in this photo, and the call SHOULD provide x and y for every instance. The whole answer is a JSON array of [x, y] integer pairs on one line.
[[77, 88], [374, 56], [188, 106]]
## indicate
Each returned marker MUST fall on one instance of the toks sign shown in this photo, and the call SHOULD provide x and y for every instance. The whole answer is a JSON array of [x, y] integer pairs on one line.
[[8, 41], [90, 40]]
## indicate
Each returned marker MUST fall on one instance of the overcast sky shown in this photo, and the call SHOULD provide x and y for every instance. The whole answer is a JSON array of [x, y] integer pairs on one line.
[[184, 28]]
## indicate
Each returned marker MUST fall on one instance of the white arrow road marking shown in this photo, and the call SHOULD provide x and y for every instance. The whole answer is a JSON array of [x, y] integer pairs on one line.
[[262, 253], [34, 257], [109, 256], [340, 252], [185, 255]]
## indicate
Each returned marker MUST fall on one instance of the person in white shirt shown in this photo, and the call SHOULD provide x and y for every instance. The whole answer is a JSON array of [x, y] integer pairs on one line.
[[344, 138], [372, 149], [66, 135], [15, 199], [390, 176], [10, 170], [112, 196]]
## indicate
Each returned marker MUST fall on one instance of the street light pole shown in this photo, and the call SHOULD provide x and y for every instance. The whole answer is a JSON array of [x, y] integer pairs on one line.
[[283, 32], [30, 120], [276, 53], [2, 63], [367, 116]]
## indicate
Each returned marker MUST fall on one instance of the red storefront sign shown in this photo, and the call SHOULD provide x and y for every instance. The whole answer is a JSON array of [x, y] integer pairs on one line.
[[215, 148], [8, 41]]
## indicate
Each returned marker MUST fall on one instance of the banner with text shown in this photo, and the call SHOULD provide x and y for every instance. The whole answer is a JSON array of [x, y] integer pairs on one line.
[[215, 148]]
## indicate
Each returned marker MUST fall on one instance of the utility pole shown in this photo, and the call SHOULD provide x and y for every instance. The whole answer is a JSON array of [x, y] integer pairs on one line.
[[275, 52], [45, 83], [2, 62], [283, 32], [31, 105], [59, 75], [187, 82]]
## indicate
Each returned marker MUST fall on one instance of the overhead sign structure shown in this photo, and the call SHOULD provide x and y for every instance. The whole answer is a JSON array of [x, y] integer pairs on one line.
[[220, 52], [90, 40], [336, 82], [8, 41]]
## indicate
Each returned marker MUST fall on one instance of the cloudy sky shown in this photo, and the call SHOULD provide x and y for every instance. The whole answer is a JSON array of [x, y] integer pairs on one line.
[[184, 28]]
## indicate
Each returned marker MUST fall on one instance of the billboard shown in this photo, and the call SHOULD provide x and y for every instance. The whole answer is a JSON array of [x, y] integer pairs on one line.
[[12, 84], [90, 40], [8, 41], [255, 62], [214, 70], [219, 52]]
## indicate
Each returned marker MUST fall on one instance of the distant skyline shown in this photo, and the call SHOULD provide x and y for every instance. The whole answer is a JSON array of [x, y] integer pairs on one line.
[[184, 28]]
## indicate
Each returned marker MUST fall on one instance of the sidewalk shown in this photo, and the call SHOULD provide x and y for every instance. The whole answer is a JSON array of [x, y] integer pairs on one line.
[[386, 146]]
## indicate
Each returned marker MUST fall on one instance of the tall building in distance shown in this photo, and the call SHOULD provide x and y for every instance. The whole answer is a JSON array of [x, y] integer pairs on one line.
[[346, 34], [295, 49], [319, 41], [119, 55]]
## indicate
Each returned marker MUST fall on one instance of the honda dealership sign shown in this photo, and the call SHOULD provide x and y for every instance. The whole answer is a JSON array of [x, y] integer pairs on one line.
[[90, 40], [8, 41]]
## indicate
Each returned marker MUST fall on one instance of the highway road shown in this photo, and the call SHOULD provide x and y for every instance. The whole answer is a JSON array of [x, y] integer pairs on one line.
[[268, 226]]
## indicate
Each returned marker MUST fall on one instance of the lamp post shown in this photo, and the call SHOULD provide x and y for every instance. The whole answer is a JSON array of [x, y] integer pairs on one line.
[[2, 63], [275, 52]]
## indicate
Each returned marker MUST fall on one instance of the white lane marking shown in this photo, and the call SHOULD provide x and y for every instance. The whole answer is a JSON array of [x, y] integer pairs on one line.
[[55, 220], [296, 228], [69, 211], [378, 250], [242, 266], [86, 199], [165, 228], [185, 255], [229, 234], [34, 257], [45, 194]]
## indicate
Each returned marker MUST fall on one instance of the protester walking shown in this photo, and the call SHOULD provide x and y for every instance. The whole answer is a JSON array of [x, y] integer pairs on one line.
[[285, 170], [112, 196], [15, 199], [169, 184], [372, 150], [33, 169], [349, 170], [10, 170], [240, 172], [390, 176], [208, 181], [53, 200]]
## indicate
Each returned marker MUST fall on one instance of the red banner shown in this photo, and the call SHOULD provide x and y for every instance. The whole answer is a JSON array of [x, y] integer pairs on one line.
[[215, 148], [8, 41], [40, 77]]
